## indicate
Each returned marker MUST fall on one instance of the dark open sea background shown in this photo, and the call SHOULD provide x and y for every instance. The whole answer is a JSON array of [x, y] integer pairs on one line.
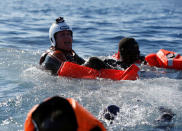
[[98, 26]]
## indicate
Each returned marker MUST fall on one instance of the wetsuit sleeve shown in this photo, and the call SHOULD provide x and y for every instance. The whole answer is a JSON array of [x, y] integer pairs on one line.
[[111, 62], [52, 65], [79, 60], [97, 64], [116, 64]]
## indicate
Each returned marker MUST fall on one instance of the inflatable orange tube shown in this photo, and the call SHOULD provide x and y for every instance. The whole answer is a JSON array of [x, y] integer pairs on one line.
[[73, 70], [111, 74], [130, 73]]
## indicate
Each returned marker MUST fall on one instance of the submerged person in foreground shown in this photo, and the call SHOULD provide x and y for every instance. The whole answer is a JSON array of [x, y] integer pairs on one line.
[[60, 114], [61, 37]]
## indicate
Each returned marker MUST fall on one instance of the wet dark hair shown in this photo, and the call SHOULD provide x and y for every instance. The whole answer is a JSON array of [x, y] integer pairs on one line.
[[55, 114], [129, 50]]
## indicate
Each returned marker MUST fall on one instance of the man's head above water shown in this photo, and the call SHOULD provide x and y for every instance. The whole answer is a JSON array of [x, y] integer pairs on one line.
[[129, 50]]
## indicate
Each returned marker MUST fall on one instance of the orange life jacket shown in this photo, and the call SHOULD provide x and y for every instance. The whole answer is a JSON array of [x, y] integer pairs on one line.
[[86, 121], [165, 59], [56, 54], [73, 70]]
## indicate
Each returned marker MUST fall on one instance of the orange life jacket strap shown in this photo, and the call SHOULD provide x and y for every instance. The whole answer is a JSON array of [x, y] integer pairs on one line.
[[58, 55]]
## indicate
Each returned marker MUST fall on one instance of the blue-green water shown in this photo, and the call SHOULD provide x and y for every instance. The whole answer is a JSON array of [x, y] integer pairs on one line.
[[97, 28]]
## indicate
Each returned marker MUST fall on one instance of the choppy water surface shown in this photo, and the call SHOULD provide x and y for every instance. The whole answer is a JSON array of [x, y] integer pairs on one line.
[[97, 27]]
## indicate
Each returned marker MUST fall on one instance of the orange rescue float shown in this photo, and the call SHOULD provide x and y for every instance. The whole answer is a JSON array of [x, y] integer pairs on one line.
[[73, 70], [165, 59]]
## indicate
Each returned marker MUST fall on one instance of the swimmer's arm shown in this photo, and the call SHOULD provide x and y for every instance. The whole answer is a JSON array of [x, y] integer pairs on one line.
[[52, 65], [79, 60]]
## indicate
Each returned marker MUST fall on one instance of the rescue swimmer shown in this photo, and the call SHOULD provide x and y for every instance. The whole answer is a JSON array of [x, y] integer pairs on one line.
[[61, 37], [60, 114]]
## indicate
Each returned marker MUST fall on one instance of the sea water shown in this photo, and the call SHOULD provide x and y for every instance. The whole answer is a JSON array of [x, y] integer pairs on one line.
[[97, 28]]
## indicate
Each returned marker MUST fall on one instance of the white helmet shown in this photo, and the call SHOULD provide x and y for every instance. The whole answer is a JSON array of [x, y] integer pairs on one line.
[[57, 26]]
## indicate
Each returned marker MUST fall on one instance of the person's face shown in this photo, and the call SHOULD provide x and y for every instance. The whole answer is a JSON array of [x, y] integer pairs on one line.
[[64, 40]]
